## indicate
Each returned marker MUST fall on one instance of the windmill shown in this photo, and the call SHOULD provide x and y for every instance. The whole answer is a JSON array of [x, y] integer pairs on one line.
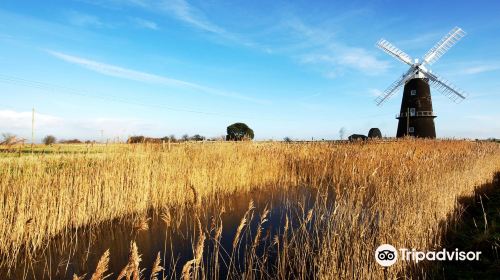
[[416, 117]]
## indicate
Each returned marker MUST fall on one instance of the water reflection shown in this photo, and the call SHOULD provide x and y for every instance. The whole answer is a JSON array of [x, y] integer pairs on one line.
[[173, 234]]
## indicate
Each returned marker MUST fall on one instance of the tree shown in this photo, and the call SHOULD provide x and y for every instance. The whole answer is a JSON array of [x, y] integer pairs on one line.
[[238, 132], [185, 137], [197, 137], [217, 138], [287, 139], [172, 138], [8, 138], [374, 133], [143, 139], [342, 133], [49, 140], [70, 141], [136, 139]]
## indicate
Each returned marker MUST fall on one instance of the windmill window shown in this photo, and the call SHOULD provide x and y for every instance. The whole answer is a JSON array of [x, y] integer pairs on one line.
[[413, 92], [411, 129], [412, 112]]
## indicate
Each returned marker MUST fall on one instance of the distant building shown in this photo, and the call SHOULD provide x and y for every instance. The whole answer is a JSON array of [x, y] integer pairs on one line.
[[358, 137], [374, 133]]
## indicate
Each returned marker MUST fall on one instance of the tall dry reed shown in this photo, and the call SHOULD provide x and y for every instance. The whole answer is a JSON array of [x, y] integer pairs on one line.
[[399, 192]]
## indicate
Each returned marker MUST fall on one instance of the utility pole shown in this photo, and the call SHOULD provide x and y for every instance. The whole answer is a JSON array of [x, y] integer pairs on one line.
[[32, 128], [408, 122]]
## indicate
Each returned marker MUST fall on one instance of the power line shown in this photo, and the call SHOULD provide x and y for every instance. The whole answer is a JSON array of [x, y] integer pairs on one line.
[[67, 90], [62, 89]]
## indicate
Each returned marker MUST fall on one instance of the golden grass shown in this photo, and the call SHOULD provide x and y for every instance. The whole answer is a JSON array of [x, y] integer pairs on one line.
[[400, 192], [132, 270], [102, 267], [157, 268]]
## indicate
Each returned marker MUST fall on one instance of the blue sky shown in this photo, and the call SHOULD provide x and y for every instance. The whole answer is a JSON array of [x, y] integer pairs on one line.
[[286, 68]]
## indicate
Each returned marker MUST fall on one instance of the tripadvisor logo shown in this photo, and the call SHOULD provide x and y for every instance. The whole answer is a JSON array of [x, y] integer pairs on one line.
[[387, 255]]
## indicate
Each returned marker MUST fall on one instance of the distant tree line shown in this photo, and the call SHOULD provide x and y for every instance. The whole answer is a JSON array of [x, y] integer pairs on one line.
[[74, 141], [171, 138], [235, 132], [51, 139]]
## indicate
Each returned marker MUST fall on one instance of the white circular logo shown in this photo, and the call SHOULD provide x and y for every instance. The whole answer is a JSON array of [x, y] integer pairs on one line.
[[386, 255]]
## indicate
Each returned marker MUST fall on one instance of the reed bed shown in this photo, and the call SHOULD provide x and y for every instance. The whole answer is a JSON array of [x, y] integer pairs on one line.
[[401, 192]]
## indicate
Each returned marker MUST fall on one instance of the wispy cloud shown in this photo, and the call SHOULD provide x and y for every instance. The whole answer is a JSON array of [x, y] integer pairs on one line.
[[134, 75], [311, 44], [80, 19], [361, 59], [425, 41], [83, 20], [183, 11], [470, 67], [481, 69], [191, 16], [179, 9], [143, 23], [11, 119], [350, 57], [114, 126], [374, 92], [321, 47], [19, 122]]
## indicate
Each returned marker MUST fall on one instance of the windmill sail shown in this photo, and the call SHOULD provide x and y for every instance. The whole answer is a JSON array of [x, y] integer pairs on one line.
[[393, 87], [447, 88], [444, 45], [394, 51]]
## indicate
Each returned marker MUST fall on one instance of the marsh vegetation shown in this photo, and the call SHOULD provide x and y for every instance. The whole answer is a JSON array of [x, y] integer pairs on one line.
[[231, 210]]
